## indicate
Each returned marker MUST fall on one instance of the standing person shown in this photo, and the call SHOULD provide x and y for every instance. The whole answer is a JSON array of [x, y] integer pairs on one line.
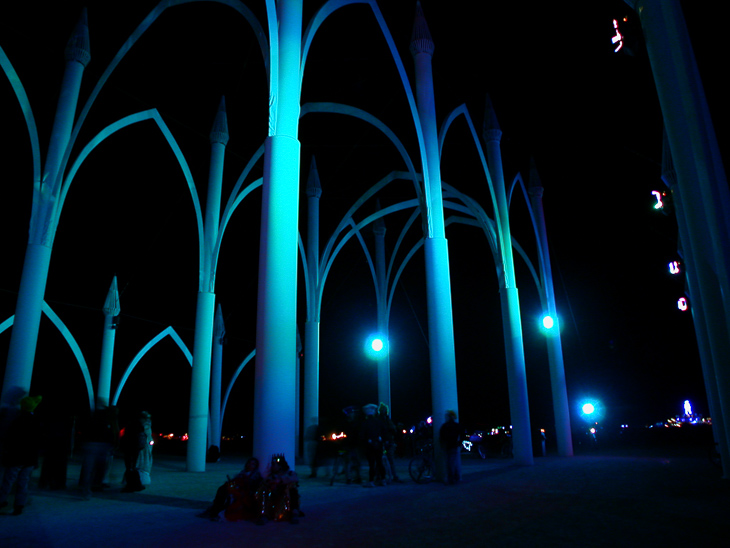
[[133, 441], [21, 450], [389, 444], [144, 461], [98, 439], [450, 439], [351, 441], [371, 442]]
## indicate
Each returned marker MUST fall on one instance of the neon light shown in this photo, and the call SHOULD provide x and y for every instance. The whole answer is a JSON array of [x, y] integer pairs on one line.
[[548, 322], [687, 408], [682, 304], [618, 38], [588, 408], [377, 345], [658, 195], [674, 267]]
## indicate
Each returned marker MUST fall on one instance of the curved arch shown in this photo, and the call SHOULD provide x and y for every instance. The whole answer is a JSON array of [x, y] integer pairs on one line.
[[233, 380], [154, 116], [316, 21], [164, 333], [462, 110], [19, 90], [74, 347], [136, 34]]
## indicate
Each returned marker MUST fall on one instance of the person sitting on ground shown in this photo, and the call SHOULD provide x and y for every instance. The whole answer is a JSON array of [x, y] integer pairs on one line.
[[237, 496], [279, 494]]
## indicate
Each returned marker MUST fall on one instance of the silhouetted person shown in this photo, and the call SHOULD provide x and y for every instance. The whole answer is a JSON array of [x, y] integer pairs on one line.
[[450, 439], [371, 443], [22, 448], [144, 460], [389, 445], [98, 439], [132, 444]]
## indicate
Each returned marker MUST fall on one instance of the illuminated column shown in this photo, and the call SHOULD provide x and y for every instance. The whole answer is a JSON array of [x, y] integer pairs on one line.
[[561, 409], [701, 181], [43, 222], [511, 321], [382, 303], [111, 310], [275, 375], [709, 329], [311, 326], [438, 284], [216, 379], [205, 311]]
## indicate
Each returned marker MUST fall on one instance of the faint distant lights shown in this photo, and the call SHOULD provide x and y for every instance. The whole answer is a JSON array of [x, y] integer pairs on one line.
[[682, 304], [674, 268]]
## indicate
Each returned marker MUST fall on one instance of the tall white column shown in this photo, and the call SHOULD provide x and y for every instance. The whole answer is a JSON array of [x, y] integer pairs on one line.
[[311, 326], [442, 355], [561, 409], [382, 304], [43, 223], [275, 372], [111, 310], [511, 321], [205, 310], [701, 185]]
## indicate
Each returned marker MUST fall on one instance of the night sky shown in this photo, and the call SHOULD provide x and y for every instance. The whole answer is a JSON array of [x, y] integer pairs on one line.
[[588, 117]]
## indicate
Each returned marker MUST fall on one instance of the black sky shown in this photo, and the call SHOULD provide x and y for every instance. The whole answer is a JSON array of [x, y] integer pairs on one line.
[[590, 119]]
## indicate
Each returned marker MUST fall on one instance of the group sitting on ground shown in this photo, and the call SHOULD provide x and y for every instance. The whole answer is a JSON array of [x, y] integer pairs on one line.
[[248, 496]]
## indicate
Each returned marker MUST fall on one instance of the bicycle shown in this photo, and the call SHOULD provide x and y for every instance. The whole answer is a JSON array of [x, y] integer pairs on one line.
[[421, 467]]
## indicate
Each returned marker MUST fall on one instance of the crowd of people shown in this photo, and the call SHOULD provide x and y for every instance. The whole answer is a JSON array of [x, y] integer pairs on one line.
[[46, 439]]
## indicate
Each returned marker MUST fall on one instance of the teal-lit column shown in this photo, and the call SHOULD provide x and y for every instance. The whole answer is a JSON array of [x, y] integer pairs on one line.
[[382, 304], [701, 181], [205, 311], [312, 324], [216, 378], [512, 324], [442, 356], [275, 372], [43, 222], [708, 319], [561, 409], [111, 310]]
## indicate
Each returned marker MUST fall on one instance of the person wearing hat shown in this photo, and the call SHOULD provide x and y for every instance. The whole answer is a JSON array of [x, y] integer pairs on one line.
[[22, 449]]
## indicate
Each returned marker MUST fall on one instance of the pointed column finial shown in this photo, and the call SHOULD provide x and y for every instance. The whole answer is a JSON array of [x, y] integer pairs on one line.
[[219, 133], [534, 184], [491, 130], [219, 327], [421, 41], [77, 47], [314, 188], [111, 305]]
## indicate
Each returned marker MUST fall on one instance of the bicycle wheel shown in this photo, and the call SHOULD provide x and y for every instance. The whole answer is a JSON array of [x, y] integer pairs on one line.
[[421, 469]]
